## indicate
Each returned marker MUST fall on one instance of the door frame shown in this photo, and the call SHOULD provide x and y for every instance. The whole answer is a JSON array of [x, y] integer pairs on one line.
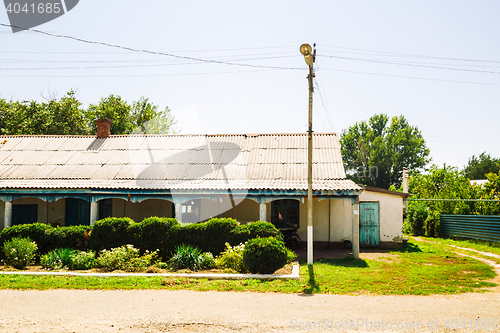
[[378, 224]]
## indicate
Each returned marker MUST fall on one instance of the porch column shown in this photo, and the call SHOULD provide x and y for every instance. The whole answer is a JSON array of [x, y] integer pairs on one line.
[[7, 219], [262, 212], [355, 228], [93, 212], [178, 212]]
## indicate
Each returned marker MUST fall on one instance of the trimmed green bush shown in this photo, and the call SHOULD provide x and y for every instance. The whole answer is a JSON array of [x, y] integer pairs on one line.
[[74, 237], [263, 230], [19, 252], [264, 255], [244, 232], [156, 234], [133, 235], [35, 231], [111, 232], [191, 234], [153, 233], [217, 233]]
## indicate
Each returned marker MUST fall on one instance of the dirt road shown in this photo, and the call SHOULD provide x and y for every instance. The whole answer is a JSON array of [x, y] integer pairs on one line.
[[189, 311]]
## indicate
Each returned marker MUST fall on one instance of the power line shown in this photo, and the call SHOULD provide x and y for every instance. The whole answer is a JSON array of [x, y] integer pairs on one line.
[[413, 55], [141, 75], [153, 52], [410, 64], [325, 107], [410, 77], [122, 66]]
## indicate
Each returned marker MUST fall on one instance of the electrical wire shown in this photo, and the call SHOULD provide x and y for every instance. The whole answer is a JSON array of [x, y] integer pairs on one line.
[[141, 75], [153, 52], [414, 55], [326, 109], [410, 64], [124, 66], [410, 77]]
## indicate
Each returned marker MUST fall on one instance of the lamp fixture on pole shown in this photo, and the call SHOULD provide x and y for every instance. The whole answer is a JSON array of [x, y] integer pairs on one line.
[[309, 56]]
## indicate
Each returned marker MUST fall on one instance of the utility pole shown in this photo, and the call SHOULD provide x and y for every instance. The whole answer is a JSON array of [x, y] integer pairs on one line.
[[309, 57]]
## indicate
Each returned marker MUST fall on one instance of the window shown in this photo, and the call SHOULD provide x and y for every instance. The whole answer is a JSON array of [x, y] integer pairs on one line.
[[77, 212], [24, 214], [285, 213], [191, 211], [105, 208]]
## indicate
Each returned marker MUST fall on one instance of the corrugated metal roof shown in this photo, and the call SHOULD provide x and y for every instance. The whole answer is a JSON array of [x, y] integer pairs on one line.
[[264, 161], [214, 184]]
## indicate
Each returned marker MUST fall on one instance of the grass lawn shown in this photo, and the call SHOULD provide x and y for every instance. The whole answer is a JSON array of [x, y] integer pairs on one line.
[[418, 269], [484, 246]]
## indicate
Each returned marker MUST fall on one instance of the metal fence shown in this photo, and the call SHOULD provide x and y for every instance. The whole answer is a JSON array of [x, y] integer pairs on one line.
[[483, 227]]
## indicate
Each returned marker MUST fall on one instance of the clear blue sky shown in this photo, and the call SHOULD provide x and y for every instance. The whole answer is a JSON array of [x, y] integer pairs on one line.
[[435, 62]]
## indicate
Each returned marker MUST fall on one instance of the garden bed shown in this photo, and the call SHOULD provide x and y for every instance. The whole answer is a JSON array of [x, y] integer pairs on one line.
[[287, 272]]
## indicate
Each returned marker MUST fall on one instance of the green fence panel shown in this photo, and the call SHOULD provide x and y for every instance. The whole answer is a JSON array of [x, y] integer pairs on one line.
[[483, 227]]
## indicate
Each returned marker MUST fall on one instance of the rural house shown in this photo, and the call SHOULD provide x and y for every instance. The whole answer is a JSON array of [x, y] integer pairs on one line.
[[72, 180]]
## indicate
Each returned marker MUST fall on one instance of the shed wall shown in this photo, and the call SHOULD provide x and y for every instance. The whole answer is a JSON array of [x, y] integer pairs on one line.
[[391, 215]]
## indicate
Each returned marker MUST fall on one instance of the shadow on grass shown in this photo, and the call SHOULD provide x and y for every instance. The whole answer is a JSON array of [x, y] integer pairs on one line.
[[346, 262], [407, 248], [312, 285]]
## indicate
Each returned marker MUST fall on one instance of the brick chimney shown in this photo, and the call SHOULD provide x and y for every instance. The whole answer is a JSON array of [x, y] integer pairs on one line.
[[103, 128]]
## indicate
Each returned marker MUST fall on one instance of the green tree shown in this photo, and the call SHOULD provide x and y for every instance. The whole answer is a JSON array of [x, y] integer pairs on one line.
[[63, 116], [149, 119], [376, 152], [114, 108], [478, 167], [445, 183], [492, 191]]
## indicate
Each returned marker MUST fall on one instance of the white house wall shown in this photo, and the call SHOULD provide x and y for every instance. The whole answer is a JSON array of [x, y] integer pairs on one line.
[[330, 217], [341, 220]]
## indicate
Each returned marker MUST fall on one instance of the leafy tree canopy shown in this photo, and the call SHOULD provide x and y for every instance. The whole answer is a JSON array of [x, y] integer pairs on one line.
[[450, 183], [65, 116], [375, 152], [478, 167]]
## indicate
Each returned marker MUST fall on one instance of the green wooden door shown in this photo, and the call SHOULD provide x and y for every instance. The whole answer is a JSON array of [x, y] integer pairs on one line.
[[369, 224]]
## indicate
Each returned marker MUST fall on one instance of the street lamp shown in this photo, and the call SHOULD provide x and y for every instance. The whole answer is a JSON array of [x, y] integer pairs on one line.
[[309, 57]]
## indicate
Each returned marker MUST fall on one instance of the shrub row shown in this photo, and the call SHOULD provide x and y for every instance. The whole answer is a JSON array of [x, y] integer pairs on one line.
[[49, 238], [154, 233]]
